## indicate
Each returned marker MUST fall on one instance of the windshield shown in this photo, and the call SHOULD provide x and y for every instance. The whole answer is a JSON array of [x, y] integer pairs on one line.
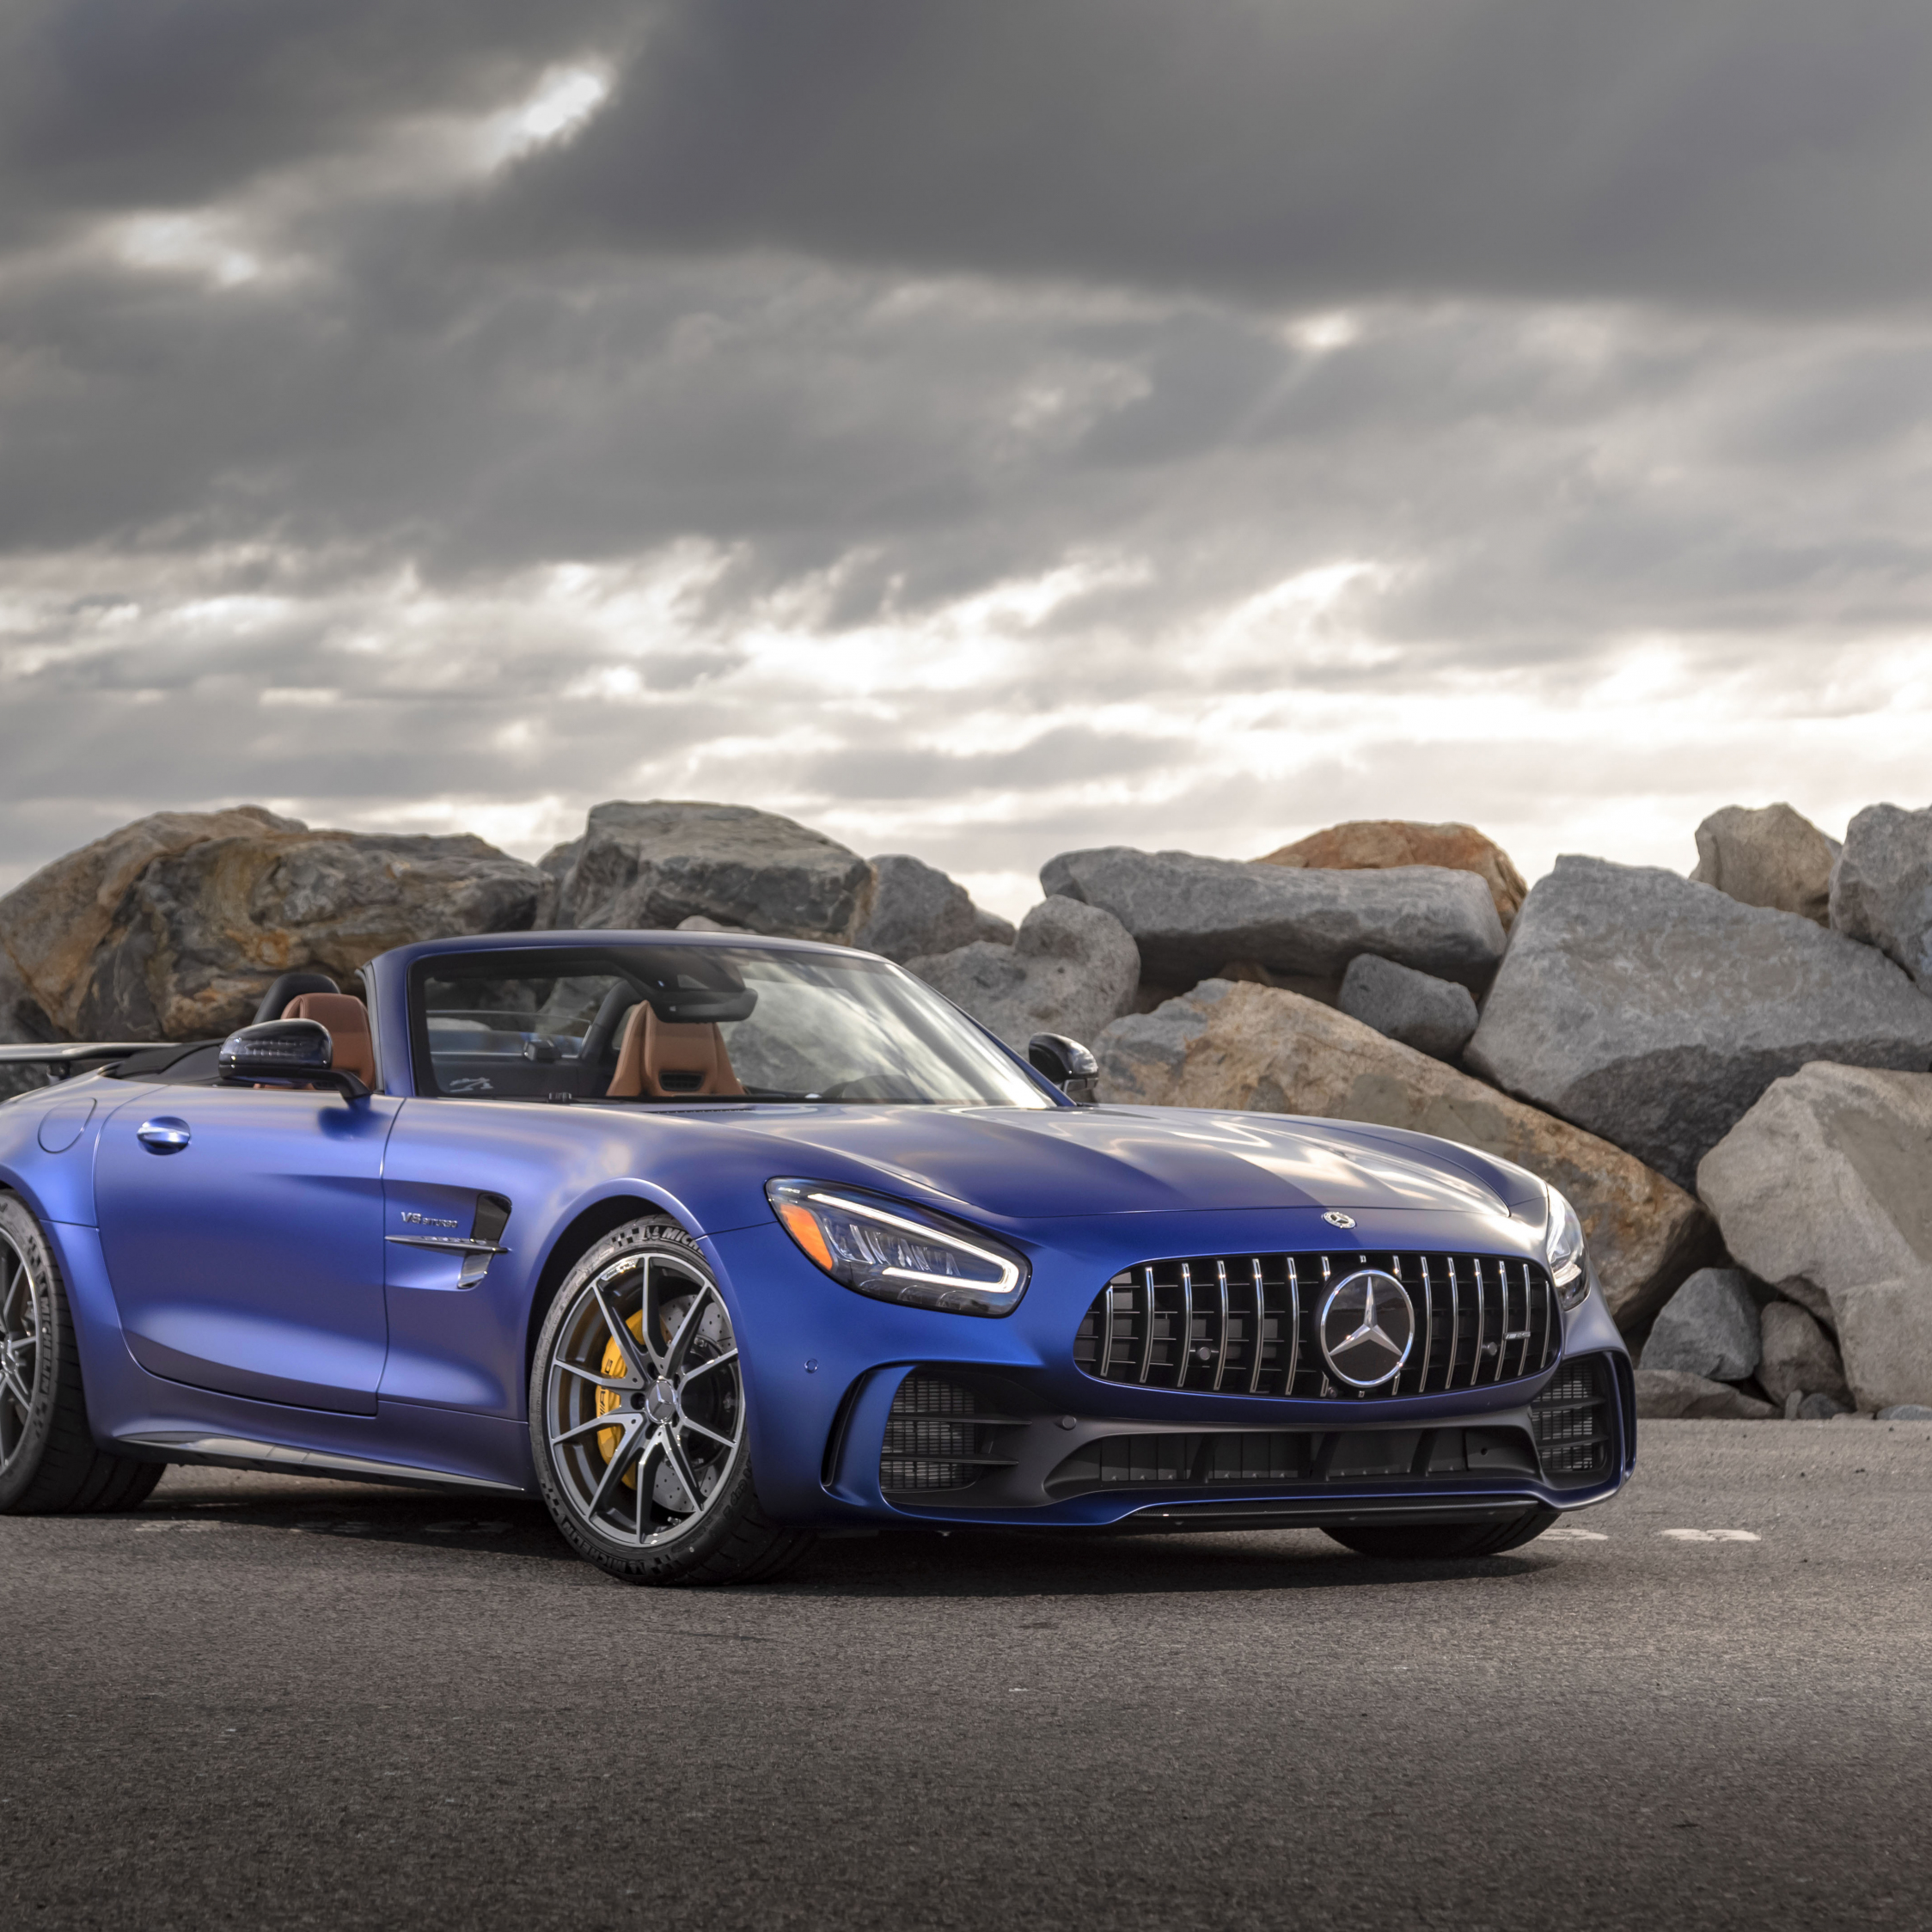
[[650, 1024]]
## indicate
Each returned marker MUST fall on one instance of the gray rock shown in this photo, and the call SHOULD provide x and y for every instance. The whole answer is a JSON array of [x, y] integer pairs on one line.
[[1233, 1047], [1709, 1328], [1668, 1394], [1189, 915], [1772, 857], [173, 928], [654, 866], [1654, 1010], [1819, 1407], [1881, 887], [698, 923], [990, 926], [1070, 970], [1797, 1356], [917, 910], [1822, 1188], [1906, 1412], [1435, 1016]]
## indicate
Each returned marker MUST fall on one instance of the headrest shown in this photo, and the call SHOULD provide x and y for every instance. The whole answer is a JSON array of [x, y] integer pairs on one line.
[[347, 1021], [663, 1058], [292, 986]]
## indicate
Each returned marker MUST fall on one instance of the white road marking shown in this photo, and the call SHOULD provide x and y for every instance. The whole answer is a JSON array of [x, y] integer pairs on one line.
[[151, 1528], [1573, 1536], [1713, 1536]]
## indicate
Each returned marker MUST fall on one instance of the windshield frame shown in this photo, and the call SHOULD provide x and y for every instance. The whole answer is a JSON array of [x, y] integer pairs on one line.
[[604, 951]]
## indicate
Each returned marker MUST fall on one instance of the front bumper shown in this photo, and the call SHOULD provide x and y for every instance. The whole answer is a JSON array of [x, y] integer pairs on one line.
[[1054, 1447], [960, 1446]]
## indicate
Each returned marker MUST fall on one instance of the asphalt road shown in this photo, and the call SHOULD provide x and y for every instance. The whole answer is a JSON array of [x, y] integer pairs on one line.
[[266, 1702]]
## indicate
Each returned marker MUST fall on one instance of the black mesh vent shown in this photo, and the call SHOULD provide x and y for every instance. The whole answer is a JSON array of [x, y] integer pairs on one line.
[[1245, 1324], [1574, 1435], [939, 1435]]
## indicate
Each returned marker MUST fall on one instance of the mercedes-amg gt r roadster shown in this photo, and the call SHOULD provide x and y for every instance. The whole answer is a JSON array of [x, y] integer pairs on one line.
[[718, 1243]]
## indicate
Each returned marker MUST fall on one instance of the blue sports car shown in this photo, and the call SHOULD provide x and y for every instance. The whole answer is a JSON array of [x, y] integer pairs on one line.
[[718, 1243]]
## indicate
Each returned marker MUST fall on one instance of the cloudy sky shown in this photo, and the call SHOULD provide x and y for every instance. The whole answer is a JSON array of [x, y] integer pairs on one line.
[[975, 427]]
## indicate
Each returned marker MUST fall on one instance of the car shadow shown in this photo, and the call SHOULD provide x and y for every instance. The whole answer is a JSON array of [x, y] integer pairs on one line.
[[912, 1563], [989, 1563]]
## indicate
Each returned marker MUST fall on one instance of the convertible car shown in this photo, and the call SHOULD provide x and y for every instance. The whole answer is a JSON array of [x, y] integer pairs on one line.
[[717, 1243]]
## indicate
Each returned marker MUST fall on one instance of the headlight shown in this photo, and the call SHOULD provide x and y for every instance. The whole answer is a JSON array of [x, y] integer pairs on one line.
[[1563, 1250], [896, 1252]]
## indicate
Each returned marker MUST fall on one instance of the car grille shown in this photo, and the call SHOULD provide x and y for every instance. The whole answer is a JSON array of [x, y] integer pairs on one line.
[[1245, 1324], [938, 1435], [1574, 1433]]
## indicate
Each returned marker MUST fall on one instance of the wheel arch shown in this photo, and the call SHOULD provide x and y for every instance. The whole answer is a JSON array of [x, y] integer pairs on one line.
[[577, 1236]]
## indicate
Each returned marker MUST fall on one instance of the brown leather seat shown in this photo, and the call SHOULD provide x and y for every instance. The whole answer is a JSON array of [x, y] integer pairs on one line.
[[347, 1021], [660, 1059]]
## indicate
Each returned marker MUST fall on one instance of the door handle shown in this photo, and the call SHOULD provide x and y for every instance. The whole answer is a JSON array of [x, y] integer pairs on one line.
[[163, 1134]]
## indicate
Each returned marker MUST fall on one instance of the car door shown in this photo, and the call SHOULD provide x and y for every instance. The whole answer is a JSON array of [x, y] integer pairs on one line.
[[242, 1232]]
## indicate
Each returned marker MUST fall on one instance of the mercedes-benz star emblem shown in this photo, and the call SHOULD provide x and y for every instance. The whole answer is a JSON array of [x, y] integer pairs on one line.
[[1367, 1327], [1335, 1217]]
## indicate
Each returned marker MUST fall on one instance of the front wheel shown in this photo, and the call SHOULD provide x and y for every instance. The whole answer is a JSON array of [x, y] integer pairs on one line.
[[1421, 1542], [638, 1419]]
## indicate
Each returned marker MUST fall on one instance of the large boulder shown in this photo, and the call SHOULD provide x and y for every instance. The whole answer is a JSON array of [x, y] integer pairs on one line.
[[1796, 1357], [917, 910], [173, 928], [1190, 916], [1265, 1049], [653, 865], [1070, 970], [1772, 856], [1825, 1188], [1709, 1328], [1654, 1010], [1435, 1016], [1671, 1394], [1376, 844], [1881, 888]]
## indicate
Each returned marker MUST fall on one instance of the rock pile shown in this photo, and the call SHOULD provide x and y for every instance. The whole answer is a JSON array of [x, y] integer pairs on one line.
[[1726, 1073]]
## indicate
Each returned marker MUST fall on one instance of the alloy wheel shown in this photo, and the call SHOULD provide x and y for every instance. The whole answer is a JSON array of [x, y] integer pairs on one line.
[[644, 1400]]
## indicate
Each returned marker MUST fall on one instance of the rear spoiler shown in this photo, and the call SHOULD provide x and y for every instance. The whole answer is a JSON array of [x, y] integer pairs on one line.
[[68, 1057]]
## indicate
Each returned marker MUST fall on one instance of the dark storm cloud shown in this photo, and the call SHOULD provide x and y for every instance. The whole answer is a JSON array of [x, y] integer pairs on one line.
[[1729, 150], [982, 429], [115, 103]]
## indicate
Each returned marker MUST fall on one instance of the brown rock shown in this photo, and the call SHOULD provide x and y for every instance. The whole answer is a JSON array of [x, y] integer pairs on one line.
[[1772, 856], [173, 926], [1374, 844], [1267, 1051]]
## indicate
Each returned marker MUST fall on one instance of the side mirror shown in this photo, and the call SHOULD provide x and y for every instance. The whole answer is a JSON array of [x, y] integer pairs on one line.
[[298, 1051], [1062, 1060]]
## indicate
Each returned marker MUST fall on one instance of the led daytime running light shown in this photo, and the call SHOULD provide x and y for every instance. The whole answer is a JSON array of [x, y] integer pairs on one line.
[[894, 1252]]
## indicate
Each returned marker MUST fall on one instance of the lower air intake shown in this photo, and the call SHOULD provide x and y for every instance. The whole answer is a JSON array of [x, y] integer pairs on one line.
[[1576, 1437], [939, 1435]]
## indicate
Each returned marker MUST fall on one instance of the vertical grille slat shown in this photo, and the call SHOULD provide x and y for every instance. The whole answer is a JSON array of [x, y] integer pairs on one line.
[[1241, 1325]]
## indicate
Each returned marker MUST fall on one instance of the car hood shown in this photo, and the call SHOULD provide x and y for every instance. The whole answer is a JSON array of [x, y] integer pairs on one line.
[[1019, 1165]]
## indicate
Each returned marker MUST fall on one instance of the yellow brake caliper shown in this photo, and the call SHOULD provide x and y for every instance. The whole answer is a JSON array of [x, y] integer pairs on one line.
[[609, 1399]]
